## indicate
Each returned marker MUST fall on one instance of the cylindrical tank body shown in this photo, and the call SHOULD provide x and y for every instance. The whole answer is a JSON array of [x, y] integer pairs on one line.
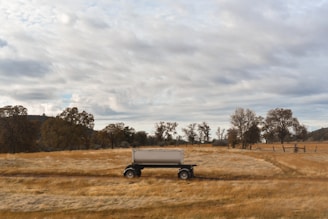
[[157, 156]]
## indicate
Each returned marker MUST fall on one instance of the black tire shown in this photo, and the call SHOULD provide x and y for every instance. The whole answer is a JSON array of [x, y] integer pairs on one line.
[[184, 174], [130, 173]]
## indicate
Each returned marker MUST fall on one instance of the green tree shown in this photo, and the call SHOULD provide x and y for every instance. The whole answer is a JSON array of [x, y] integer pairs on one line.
[[253, 135], [82, 122], [301, 132], [70, 130], [129, 134], [58, 134], [114, 133], [140, 138], [282, 122], [233, 137], [268, 133], [17, 133]]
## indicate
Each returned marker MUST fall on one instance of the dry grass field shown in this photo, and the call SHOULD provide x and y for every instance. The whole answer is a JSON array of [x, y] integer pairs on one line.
[[229, 183]]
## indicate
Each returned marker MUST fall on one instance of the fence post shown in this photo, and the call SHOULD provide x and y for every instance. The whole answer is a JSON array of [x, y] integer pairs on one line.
[[283, 148]]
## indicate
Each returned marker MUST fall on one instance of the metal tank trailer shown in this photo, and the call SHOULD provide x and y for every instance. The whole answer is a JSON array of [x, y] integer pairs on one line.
[[158, 158]]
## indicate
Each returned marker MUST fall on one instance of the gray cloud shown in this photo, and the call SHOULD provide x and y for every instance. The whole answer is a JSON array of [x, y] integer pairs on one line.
[[21, 68], [44, 94], [3, 43]]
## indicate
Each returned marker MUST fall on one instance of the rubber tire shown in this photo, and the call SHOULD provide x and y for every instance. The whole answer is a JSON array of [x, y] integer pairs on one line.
[[184, 174], [130, 173]]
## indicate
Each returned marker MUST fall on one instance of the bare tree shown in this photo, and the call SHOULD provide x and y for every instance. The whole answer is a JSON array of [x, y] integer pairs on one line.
[[243, 120], [220, 133], [170, 131], [165, 131], [204, 132], [159, 131], [190, 132]]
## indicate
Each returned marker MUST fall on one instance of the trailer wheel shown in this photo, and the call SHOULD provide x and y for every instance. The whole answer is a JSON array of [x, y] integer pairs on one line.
[[184, 174], [130, 173]]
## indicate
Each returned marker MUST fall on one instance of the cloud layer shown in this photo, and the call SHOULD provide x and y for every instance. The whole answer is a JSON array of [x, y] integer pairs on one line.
[[141, 62]]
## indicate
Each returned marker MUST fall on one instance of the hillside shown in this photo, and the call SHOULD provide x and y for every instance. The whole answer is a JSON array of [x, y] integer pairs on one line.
[[318, 135]]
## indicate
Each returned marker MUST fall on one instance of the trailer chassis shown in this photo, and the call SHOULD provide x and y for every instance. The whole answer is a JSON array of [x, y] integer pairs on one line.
[[186, 171]]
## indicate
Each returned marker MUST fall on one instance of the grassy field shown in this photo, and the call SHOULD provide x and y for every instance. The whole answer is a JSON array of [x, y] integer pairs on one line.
[[229, 183]]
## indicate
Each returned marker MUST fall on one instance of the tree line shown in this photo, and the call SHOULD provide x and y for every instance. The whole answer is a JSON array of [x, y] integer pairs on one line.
[[73, 130], [279, 125]]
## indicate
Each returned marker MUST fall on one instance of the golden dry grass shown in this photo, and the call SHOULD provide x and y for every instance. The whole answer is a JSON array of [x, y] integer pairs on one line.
[[229, 183]]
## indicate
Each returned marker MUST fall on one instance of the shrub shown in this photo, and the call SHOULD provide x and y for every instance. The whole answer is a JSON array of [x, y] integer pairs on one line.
[[222, 143]]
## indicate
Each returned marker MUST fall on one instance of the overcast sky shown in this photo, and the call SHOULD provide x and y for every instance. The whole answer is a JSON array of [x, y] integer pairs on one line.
[[185, 61]]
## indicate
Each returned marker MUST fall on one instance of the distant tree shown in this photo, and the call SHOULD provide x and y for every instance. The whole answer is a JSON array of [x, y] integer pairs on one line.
[[222, 138], [301, 132], [204, 132], [170, 131], [165, 131], [17, 133], [128, 134], [282, 122], [75, 117], [152, 140], [243, 120], [83, 123], [58, 134], [268, 132], [140, 138], [100, 139], [70, 130], [233, 137], [253, 135], [220, 133], [159, 131], [190, 132], [115, 133]]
